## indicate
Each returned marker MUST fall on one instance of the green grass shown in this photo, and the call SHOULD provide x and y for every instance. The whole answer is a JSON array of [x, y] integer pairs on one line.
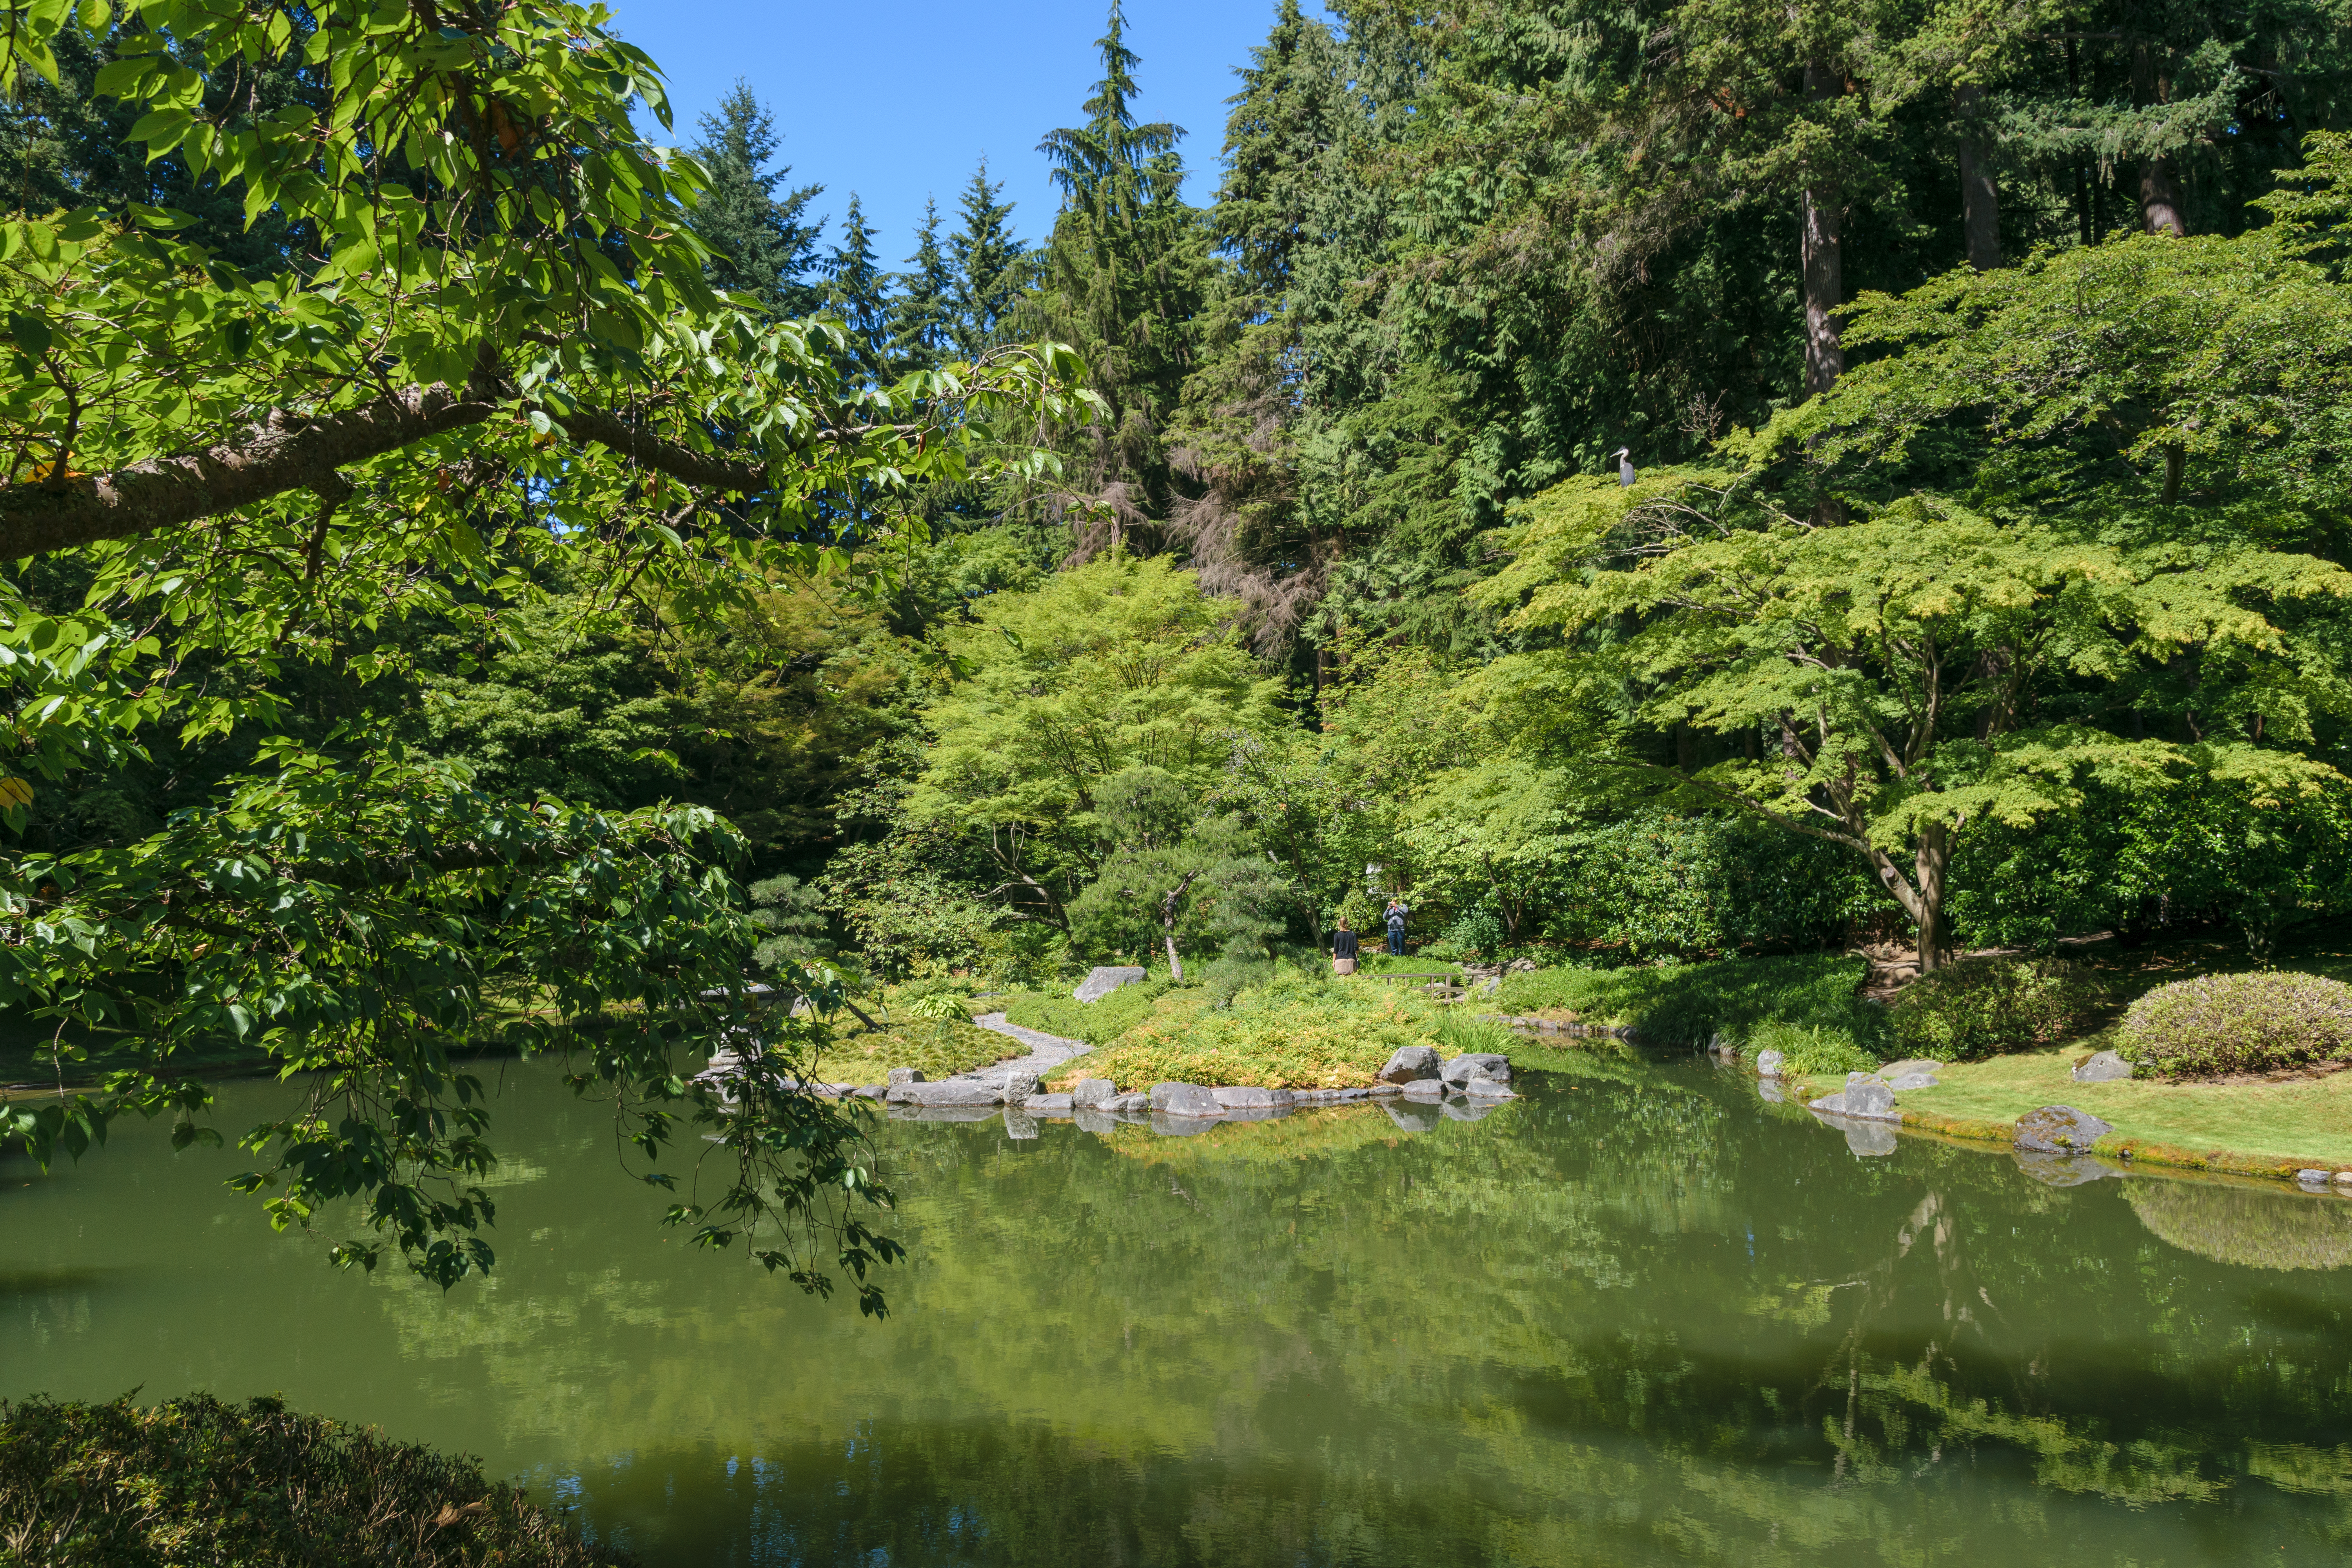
[[938, 1049], [2299, 1119], [1097, 1022], [1684, 1004]]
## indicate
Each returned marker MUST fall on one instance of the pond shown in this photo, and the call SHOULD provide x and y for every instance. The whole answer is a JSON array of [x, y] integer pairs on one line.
[[1636, 1317]]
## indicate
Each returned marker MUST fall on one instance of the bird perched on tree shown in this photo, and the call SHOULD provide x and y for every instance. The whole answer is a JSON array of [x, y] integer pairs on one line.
[[1624, 456]]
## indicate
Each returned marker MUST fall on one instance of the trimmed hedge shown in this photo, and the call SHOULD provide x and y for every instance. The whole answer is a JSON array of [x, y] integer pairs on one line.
[[1983, 1006], [2256, 1021], [196, 1480]]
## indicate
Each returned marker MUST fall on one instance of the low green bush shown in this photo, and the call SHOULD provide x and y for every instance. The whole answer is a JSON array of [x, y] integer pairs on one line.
[[1458, 1031], [1813, 1048], [2238, 1022], [1685, 1003], [1097, 1022], [1982, 1006], [196, 1480]]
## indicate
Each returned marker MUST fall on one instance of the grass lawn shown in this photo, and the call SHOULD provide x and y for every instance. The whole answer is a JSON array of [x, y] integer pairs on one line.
[[2303, 1120]]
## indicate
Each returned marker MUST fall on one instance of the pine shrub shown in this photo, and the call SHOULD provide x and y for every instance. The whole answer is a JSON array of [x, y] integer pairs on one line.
[[2257, 1022]]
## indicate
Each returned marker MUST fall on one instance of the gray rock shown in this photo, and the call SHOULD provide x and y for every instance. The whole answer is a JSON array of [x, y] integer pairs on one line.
[[905, 1075], [2344, 1178], [2105, 1067], [1427, 1088], [1093, 1092], [871, 1090], [1767, 1063], [1242, 1098], [1170, 1125], [1487, 1088], [1864, 1096], [1869, 1140], [1091, 1121], [1018, 1087], [1019, 1124], [1892, 1070], [2059, 1130], [1383, 1090], [1477, 1063], [1119, 1104], [1101, 983], [2314, 1178], [942, 1113], [1256, 1113], [1409, 1064], [1183, 1100], [1049, 1105], [948, 1091], [1913, 1080], [1412, 1118]]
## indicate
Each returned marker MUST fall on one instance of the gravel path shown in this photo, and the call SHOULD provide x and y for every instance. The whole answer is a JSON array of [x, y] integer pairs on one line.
[[1045, 1051]]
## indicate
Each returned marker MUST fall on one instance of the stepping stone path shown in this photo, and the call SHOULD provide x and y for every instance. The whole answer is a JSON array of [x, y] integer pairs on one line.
[[1045, 1051]]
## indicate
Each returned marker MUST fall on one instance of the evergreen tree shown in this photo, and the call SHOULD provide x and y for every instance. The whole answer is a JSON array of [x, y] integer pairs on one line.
[[765, 246], [923, 313], [1126, 274], [991, 264], [857, 292]]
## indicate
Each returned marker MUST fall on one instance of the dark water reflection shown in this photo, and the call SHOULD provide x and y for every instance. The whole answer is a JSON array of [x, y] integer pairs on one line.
[[1635, 1317]]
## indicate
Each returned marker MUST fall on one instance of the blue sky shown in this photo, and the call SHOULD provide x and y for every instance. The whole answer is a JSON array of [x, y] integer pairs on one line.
[[896, 101]]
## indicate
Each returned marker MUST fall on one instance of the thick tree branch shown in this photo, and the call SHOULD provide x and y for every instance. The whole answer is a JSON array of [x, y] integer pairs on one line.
[[285, 452]]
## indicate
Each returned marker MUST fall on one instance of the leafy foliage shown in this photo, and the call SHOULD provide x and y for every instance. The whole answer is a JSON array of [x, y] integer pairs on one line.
[[196, 1479], [2257, 1022], [1981, 1006]]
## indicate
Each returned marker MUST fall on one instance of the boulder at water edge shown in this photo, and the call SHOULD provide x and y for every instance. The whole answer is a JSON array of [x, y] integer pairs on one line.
[[1913, 1080], [1019, 1087], [1864, 1096], [1409, 1064], [1487, 1088], [1477, 1063], [1247, 1099], [1101, 981], [906, 1075], [1184, 1100], [954, 1091], [1093, 1092], [1428, 1088], [2059, 1130], [1768, 1064], [2103, 1067], [1049, 1105]]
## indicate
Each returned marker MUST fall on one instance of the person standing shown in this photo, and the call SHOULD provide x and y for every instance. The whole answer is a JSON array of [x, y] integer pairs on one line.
[[1343, 949], [1395, 916]]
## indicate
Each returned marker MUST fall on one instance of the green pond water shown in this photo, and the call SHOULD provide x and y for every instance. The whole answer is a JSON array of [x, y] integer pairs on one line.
[[1637, 1317]]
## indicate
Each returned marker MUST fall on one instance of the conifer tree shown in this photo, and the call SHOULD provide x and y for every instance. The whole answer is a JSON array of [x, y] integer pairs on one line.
[[923, 312], [765, 248], [991, 264], [1126, 274], [856, 290]]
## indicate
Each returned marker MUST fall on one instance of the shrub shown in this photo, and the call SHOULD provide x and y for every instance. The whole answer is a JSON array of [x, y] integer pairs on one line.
[[1982, 1006], [1475, 931], [1458, 1032], [1685, 1003], [2238, 1022], [1813, 1048], [1097, 1022], [196, 1480]]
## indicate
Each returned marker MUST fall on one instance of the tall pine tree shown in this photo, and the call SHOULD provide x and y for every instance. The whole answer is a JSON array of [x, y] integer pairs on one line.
[[1126, 274], [765, 248], [923, 312], [856, 290], [991, 264]]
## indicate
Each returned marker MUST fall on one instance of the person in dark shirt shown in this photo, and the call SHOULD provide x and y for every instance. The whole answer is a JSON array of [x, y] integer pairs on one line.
[[1396, 913], [1343, 951]]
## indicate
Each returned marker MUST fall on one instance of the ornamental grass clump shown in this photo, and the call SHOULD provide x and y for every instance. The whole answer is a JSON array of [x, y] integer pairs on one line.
[[2218, 1024], [1983, 1006]]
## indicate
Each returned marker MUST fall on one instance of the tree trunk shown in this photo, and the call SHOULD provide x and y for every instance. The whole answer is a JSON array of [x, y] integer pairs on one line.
[[1932, 860], [1822, 216], [1168, 907], [2160, 208], [1980, 201]]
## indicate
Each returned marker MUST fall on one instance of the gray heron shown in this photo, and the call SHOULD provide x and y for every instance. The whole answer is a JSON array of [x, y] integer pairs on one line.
[[1624, 456]]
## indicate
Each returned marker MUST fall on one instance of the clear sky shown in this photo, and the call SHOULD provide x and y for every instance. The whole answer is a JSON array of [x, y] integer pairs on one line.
[[899, 101]]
